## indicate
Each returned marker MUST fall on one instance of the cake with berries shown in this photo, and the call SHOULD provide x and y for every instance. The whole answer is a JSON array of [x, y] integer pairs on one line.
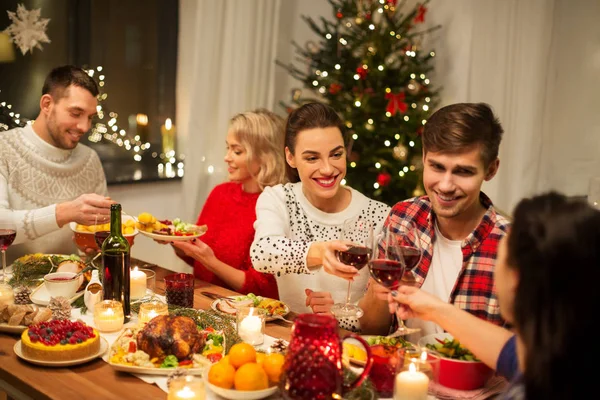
[[60, 341]]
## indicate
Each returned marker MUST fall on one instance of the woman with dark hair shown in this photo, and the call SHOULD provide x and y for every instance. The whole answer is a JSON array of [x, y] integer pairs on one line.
[[298, 224], [539, 296]]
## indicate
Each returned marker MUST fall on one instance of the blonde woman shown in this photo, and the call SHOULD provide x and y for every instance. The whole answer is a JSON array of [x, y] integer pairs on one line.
[[255, 160]]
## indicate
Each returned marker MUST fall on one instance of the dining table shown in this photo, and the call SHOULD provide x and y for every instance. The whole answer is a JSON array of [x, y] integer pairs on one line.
[[97, 379]]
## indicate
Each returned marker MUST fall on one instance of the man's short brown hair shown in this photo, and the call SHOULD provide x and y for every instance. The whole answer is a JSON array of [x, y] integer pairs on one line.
[[460, 126], [60, 78]]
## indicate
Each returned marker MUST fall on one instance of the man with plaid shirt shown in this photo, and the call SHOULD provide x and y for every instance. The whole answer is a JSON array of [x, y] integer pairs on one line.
[[458, 227]]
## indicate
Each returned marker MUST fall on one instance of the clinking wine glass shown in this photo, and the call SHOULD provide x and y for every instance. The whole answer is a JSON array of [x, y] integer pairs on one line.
[[396, 255], [8, 233], [359, 233]]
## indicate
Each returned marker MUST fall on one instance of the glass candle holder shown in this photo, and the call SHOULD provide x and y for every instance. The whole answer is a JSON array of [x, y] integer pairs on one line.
[[251, 324], [179, 290], [6, 294], [186, 387], [150, 280], [152, 309], [417, 374], [108, 316]]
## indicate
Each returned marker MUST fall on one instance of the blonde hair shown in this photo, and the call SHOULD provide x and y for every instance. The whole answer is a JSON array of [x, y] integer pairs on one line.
[[261, 133]]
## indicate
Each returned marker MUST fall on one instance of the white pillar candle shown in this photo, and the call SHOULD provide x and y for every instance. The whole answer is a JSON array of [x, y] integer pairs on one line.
[[108, 316], [137, 283], [411, 385], [250, 329]]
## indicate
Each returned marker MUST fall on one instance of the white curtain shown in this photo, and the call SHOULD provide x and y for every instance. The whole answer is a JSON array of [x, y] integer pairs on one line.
[[227, 52]]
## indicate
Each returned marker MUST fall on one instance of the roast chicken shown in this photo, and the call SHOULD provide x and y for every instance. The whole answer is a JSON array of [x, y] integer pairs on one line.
[[170, 335]]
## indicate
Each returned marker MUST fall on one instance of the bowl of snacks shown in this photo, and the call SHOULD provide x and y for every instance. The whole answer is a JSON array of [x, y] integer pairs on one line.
[[245, 373], [89, 236], [459, 368]]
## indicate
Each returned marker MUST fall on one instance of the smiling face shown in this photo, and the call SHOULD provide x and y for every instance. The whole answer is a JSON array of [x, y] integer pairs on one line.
[[238, 167], [453, 181], [69, 117], [320, 159]]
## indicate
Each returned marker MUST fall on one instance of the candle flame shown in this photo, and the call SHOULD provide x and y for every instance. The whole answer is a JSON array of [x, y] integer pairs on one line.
[[168, 123], [109, 311], [141, 119], [412, 367], [424, 356]]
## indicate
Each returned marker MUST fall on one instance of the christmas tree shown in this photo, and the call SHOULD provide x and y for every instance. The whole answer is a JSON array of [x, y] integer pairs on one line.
[[369, 66]]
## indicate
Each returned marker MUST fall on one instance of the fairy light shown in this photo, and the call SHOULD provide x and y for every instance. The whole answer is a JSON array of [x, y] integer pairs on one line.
[[376, 185], [353, 164], [377, 165], [337, 66], [343, 182], [328, 36], [387, 143], [355, 136], [411, 143], [357, 103]]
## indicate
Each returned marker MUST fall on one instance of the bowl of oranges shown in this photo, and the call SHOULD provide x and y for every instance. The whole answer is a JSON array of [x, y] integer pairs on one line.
[[85, 235], [245, 373]]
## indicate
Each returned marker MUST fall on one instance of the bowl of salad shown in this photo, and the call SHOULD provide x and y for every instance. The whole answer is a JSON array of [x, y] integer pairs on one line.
[[459, 368]]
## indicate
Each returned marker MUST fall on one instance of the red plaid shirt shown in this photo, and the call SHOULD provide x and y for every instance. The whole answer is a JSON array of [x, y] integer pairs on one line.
[[474, 290]]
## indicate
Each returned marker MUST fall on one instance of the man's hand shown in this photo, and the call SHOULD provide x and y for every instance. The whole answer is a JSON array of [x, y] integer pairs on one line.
[[319, 302], [87, 209]]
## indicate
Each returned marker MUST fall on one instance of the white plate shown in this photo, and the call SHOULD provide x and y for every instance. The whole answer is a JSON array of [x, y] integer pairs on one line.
[[99, 353], [124, 217], [41, 296], [215, 306], [6, 328], [173, 238], [153, 371], [233, 394]]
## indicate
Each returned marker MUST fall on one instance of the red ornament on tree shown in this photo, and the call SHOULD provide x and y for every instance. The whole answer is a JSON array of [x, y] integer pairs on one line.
[[384, 179], [420, 17], [362, 72], [392, 2], [334, 88], [339, 15], [396, 103]]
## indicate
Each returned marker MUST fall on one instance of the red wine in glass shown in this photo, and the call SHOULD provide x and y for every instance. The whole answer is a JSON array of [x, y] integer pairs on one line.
[[357, 256], [100, 237], [7, 236], [388, 273], [411, 255]]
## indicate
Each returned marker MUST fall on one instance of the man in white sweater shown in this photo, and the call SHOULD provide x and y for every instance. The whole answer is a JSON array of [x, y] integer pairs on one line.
[[48, 179]]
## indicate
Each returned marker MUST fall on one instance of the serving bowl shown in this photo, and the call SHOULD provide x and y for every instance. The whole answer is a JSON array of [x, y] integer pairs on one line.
[[458, 374], [84, 237]]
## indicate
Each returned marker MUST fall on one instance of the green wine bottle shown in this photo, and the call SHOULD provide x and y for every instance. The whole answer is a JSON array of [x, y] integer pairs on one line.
[[115, 258]]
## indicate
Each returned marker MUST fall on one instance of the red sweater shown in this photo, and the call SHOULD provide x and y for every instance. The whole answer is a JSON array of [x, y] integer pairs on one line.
[[229, 213]]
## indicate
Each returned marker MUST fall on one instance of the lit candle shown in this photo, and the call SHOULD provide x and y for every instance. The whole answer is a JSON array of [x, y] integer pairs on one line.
[[152, 309], [411, 385], [6, 294], [167, 132], [142, 127], [137, 283], [188, 388], [108, 316], [250, 329]]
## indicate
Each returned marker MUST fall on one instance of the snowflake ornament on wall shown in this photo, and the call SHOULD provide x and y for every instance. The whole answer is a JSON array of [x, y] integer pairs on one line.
[[27, 30]]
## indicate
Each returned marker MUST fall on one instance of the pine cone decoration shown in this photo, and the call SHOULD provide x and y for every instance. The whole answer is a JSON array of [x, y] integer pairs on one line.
[[22, 295], [60, 307]]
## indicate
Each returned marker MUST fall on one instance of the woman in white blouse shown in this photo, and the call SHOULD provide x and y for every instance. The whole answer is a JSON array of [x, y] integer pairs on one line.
[[298, 224]]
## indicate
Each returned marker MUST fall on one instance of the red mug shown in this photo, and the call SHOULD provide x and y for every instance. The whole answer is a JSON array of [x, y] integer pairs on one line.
[[313, 364]]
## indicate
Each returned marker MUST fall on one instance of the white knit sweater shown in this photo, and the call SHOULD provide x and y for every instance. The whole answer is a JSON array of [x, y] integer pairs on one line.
[[34, 177]]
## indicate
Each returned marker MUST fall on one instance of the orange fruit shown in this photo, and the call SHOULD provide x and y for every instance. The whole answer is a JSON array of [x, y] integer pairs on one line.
[[225, 360], [273, 365], [260, 357], [251, 376], [241, 353], [221, 375]]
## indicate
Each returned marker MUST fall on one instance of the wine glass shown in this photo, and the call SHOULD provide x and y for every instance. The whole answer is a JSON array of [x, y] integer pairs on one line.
[[398, 253], [8, 233], [359, 234]]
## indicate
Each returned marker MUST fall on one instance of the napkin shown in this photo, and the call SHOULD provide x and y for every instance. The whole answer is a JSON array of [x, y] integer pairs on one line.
[[493, 387]]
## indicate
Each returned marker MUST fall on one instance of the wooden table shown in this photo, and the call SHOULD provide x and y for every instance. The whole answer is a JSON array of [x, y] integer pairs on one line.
[[96, 379]]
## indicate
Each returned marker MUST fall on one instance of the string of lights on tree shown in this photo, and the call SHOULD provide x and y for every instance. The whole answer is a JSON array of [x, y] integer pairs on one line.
[[370, 67]]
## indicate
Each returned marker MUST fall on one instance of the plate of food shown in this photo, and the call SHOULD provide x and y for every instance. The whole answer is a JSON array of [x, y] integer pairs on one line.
[[60, 343], [167, 230], [356, 355], [15, 318], [229, 305], [164, 344]]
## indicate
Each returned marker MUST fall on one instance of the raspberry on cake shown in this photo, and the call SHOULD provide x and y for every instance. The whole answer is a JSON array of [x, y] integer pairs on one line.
[[60, 341]]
